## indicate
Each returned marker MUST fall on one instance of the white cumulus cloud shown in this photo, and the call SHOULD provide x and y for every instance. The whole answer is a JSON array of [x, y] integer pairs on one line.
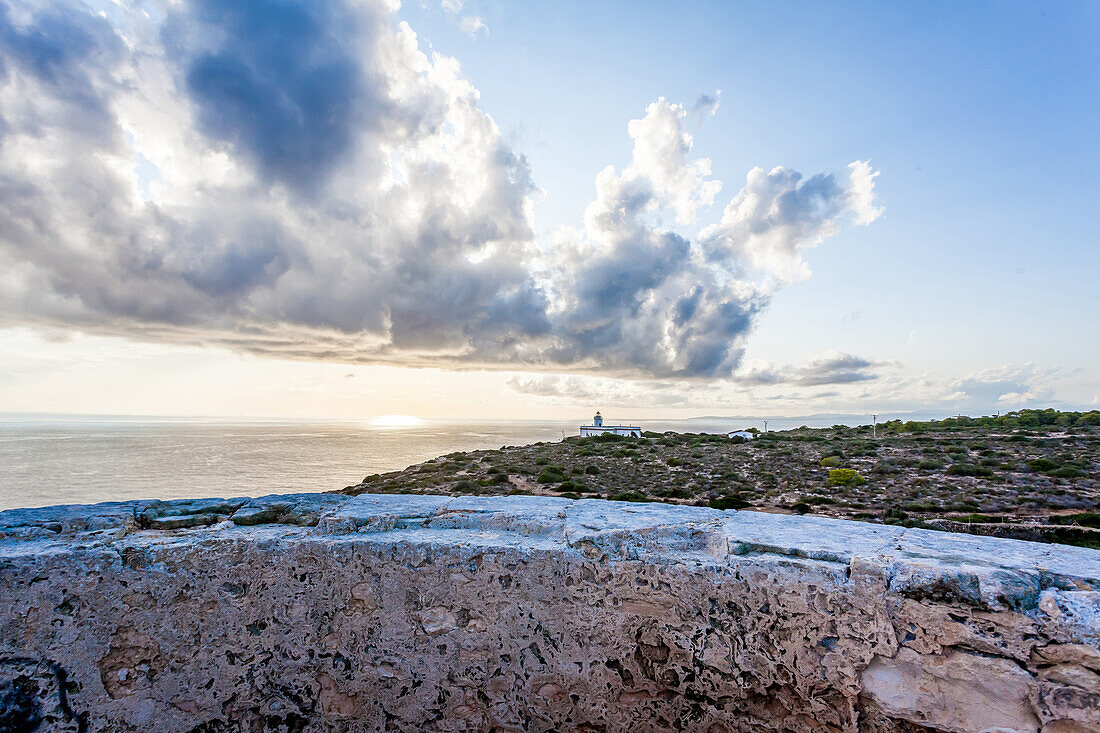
[[301, 179]]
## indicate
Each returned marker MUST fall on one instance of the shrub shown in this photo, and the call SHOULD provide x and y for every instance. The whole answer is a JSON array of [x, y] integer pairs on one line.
[[1065, 472], [464, 487], [845, 477], [592, 470], [930, 465], [728, 502], [968, 469], [801, 507], [819, 500], [542, 461], [550, 475], [894, 514], [830, 462], [674, 461], [1042, 464]]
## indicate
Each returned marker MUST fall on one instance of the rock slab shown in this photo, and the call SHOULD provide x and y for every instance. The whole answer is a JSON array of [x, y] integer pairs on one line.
[[431, 613]]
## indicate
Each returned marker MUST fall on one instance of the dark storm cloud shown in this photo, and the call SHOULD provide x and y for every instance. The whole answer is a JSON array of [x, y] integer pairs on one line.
[[281, 83]]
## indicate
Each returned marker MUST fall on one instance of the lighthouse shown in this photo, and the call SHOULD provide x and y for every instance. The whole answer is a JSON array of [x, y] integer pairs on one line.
[[598, 428]]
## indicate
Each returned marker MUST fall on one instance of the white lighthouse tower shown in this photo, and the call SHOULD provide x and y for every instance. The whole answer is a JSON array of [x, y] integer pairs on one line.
[[598, 428]]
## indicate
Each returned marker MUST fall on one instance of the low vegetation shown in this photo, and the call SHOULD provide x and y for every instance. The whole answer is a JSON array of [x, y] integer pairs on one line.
[[1032, 474]]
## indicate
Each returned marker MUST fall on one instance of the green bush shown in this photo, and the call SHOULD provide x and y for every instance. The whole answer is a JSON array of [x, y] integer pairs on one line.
[[550, 475], [894, 514], [1042, 464], [819, 500], [845, 477], [1065, 472], [830, 462], [728, 502], [968, 469], [592, 470], [930, 465]]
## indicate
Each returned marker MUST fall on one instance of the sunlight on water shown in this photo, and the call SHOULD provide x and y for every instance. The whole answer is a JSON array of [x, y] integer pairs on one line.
[[68, 460], [396, 421]]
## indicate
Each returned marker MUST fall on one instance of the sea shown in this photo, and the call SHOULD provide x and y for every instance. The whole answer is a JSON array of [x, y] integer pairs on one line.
[[66, 459]]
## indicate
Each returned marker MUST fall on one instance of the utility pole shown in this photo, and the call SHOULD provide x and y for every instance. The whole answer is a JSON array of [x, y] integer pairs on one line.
[[874, 426]]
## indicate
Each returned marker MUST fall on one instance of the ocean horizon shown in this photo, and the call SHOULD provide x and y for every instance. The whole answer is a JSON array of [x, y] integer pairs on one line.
[[48, 459]]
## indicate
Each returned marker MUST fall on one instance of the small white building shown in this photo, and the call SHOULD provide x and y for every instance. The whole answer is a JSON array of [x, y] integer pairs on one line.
[[746, 434], [598, 428]]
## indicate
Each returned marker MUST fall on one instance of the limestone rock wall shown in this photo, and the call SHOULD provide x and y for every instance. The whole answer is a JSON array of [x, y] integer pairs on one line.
[[423, 613]]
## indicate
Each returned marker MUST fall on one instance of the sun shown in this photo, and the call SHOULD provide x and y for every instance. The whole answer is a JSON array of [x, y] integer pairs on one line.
[[396, 421]]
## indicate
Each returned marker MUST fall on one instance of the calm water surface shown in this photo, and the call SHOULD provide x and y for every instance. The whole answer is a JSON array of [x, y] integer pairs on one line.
[[77, 460]]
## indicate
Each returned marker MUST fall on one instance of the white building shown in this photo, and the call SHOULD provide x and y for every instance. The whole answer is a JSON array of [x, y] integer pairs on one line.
[[746, 434], [598, 428]]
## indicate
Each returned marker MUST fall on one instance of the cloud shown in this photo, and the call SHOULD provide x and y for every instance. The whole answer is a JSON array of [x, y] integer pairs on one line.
[[473, 24], [707, 105], [829, 367], [1006, 387], [279, 82], [451, 6], [597, 391], [300, 179], [778, 215]]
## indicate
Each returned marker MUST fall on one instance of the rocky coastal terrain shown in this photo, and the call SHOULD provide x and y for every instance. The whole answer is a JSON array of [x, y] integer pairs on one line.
[[1032, 474], [524, 613]]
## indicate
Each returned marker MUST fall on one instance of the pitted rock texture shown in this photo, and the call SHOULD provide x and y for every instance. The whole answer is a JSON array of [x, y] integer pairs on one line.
[[432, 613]]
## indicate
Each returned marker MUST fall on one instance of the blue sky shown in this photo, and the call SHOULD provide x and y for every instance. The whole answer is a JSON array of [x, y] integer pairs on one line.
[[974, 289], [982, 117]]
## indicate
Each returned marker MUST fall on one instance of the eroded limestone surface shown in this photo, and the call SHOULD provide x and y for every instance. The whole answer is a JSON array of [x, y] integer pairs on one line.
[[430, 613]]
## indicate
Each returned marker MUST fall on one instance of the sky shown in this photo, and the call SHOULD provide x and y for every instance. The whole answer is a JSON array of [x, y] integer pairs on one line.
[[348, 208]]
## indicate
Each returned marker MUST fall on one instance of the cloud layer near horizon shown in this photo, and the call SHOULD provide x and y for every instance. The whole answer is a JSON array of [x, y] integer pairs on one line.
[[300, 179]]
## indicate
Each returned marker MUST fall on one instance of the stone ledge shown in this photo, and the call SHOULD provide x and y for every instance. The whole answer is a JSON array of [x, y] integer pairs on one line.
[[536, 613]]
